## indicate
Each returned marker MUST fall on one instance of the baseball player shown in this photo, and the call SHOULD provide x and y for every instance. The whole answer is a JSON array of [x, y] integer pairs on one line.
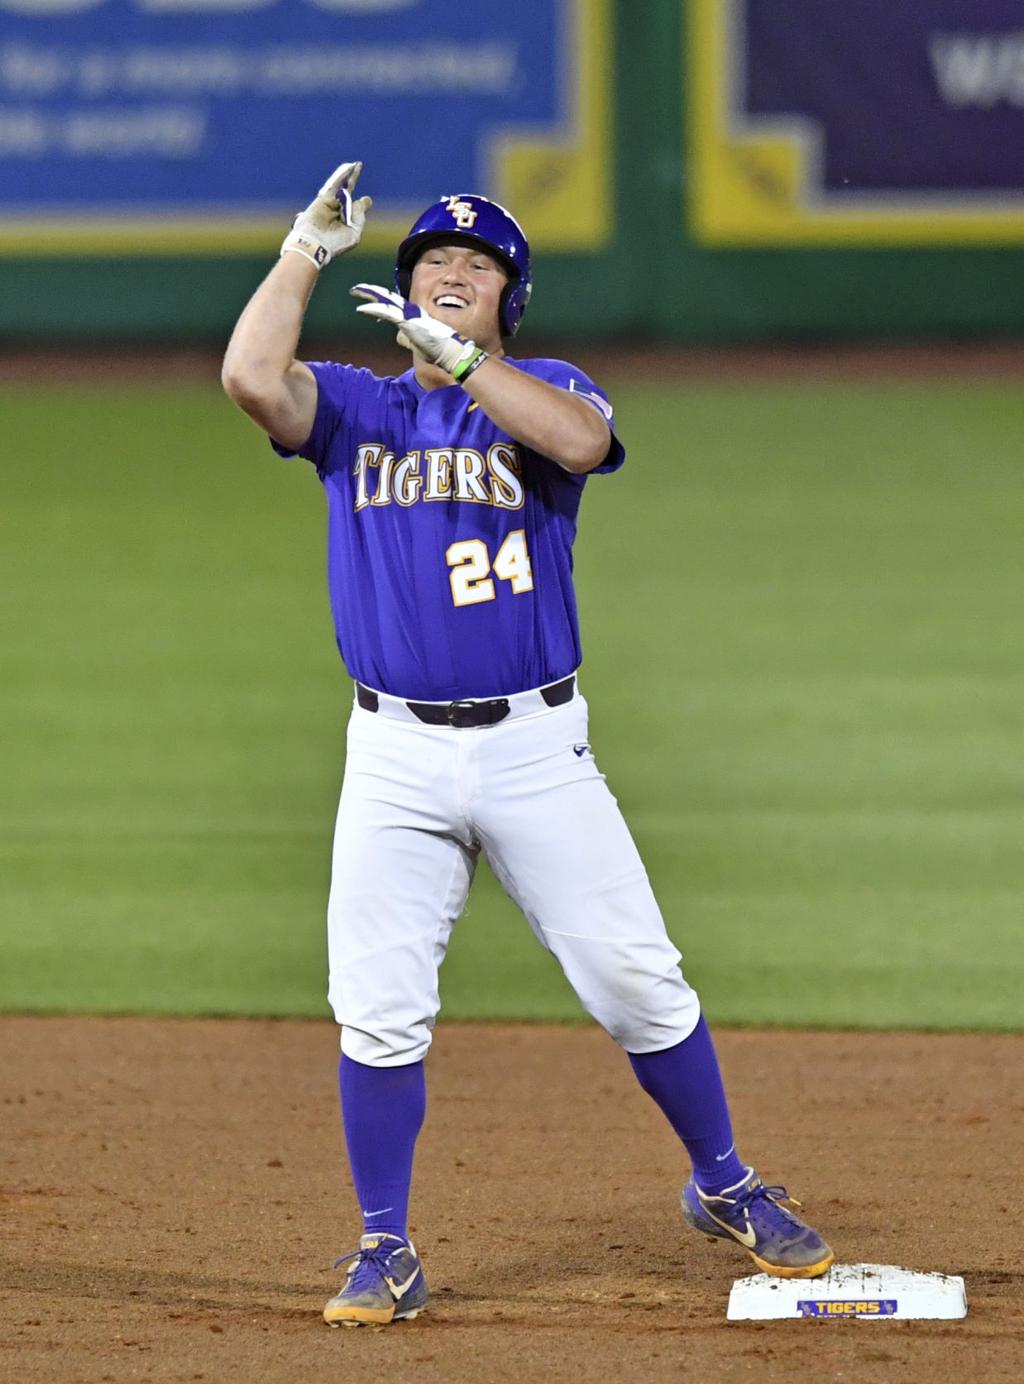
[[452, 494]]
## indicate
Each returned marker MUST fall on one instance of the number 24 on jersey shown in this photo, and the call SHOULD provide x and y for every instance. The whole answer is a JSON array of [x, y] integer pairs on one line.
[[473, 572]]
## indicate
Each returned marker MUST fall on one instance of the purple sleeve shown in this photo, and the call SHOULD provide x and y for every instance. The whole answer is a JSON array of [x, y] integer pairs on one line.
[[337, 389], [569, 377]]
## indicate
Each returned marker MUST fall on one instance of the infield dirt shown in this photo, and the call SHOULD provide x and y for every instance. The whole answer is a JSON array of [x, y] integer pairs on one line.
[[821, 360], [174, 1194]]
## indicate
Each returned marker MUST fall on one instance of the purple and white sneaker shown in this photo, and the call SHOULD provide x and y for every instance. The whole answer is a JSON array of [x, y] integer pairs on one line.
[[753, 1216], [385, 1284]]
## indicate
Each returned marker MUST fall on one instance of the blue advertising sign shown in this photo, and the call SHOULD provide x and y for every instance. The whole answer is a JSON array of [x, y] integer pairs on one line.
[[208, 121], [866, 122]]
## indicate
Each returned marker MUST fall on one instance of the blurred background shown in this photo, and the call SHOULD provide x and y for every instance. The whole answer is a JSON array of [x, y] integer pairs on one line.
[[788, 241]]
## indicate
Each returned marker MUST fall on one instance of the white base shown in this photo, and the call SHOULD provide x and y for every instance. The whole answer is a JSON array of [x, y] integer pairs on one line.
[[859, 1292]]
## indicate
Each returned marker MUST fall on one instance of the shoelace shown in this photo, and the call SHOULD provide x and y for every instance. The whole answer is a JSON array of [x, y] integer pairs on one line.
[[772, 1196], [370, 1263], [760, 1190]]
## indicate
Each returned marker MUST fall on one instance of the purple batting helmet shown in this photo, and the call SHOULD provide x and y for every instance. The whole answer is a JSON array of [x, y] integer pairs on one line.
[[480, 221]]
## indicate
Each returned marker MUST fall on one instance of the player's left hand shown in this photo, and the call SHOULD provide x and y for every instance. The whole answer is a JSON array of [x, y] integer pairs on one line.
[[435, 341]]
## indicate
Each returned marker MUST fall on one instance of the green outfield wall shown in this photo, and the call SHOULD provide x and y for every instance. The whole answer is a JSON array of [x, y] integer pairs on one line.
[[667, 213]]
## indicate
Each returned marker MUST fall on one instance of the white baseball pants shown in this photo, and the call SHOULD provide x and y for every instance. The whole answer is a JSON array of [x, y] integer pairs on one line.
[[418, 804]]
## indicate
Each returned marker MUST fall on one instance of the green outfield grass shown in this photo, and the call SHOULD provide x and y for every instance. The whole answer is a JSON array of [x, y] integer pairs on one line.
[[802, 619]]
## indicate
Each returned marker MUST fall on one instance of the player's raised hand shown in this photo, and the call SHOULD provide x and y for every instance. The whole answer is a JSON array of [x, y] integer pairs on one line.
[[333, 221], [435, 341]]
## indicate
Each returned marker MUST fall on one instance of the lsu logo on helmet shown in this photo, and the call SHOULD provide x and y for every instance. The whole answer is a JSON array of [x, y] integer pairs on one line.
[[463, 212]]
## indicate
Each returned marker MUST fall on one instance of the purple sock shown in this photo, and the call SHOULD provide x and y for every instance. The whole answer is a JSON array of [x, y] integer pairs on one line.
[[382, 1110], [685, 1082]]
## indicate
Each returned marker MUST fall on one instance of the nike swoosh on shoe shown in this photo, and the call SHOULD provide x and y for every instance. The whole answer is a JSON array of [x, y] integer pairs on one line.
[[747, 1238], [399, 1290]]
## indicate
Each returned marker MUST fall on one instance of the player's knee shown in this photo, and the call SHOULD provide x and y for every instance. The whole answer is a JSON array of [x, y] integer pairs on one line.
[[383, 1023], [650, 1017], [646, 1034], [385, 1047]]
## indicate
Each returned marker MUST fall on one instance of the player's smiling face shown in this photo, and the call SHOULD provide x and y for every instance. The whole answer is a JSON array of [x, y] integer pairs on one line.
[[461, 284]]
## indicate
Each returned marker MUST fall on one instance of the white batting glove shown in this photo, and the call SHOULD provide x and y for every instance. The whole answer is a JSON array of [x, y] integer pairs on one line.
[[332, 223], [435, 341]]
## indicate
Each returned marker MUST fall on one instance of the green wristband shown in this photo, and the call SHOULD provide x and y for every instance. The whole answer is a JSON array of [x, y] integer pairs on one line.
[[465, 368]]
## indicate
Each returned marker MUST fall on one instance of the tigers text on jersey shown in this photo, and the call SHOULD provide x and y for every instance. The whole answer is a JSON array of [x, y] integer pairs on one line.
[[449, 545]]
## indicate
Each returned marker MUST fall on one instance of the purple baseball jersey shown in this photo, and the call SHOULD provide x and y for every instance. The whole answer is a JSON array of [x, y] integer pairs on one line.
[[449, 545]]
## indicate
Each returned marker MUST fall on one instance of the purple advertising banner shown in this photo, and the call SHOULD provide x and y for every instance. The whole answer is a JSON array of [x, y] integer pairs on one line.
[[922, 96], [869, 120]]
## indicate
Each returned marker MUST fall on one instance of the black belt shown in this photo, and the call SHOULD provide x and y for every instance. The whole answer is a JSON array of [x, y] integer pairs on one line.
[[465, 714]]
